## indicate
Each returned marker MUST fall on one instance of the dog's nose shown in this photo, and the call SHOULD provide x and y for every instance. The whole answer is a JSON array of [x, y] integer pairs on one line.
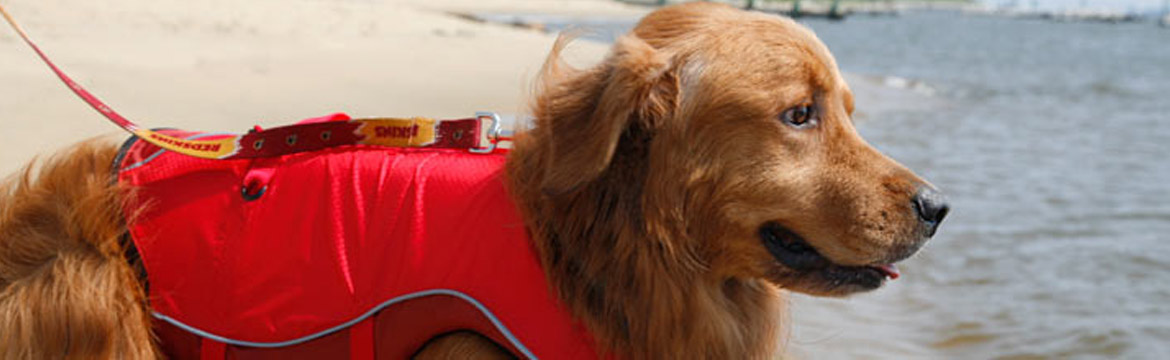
[[931, 207]]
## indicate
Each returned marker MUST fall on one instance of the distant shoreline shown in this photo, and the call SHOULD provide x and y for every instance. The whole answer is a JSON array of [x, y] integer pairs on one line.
[[845, 7]]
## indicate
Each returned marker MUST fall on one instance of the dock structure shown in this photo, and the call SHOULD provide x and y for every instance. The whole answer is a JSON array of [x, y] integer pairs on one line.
[[829, 9], [1078, 15], [834, 12], [1165, 20], [1089, 16]]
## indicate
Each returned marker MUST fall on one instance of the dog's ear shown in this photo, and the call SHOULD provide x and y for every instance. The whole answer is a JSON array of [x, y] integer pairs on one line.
[[585, 113]]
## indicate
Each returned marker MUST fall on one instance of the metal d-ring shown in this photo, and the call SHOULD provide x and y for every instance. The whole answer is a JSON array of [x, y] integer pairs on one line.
[[493, 134], [244, 193]]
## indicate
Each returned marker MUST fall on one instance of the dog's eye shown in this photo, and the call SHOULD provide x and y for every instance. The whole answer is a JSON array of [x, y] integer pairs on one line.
[[799, 116]]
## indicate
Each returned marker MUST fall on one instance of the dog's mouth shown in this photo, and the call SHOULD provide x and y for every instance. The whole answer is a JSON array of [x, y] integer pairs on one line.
[[793, 251]]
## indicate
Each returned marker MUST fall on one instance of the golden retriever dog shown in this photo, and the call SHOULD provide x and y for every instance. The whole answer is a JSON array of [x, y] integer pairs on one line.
[[673, 194]]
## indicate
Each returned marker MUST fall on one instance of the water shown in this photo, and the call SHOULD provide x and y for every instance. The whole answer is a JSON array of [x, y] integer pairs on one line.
[[1052, 144], [1051, 140]]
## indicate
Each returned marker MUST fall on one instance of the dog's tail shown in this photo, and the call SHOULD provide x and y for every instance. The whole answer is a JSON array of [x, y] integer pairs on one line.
[[66, 289]]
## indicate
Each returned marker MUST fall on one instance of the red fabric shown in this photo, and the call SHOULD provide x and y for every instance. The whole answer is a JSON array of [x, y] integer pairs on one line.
[[326, 118], [336, 233], [361, 340], [212, 350]]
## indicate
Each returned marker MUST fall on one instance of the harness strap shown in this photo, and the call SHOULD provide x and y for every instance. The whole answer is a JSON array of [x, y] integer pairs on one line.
[[397, 132], [212, 350], [361, 340]]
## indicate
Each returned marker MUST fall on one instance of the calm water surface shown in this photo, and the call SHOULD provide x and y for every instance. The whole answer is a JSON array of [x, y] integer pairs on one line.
[[1051, 140]]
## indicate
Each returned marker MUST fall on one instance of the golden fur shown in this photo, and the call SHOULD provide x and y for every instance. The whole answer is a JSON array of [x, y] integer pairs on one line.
[[646, 183], [462, 345], [646, 178], [67, 290]]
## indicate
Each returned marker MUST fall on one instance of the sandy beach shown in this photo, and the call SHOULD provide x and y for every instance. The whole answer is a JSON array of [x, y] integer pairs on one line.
[[225, 65], [222, 65]]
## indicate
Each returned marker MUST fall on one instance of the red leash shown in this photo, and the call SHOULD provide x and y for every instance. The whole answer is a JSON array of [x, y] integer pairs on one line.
[[412, 132]]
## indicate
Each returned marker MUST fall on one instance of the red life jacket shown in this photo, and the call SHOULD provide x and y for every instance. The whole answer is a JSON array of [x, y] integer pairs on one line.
[[358, 251]]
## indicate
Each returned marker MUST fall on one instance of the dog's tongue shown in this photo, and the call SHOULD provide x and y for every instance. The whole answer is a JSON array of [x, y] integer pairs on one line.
[[890, 270]]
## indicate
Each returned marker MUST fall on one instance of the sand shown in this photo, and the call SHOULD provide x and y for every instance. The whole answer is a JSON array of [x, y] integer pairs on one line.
[[224, 65]]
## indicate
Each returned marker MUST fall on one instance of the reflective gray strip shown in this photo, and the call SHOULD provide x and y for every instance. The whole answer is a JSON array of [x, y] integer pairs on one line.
[[161, 151], [495, 322]]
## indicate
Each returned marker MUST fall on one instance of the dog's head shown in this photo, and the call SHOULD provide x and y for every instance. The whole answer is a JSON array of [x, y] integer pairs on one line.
[[736, 128]]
